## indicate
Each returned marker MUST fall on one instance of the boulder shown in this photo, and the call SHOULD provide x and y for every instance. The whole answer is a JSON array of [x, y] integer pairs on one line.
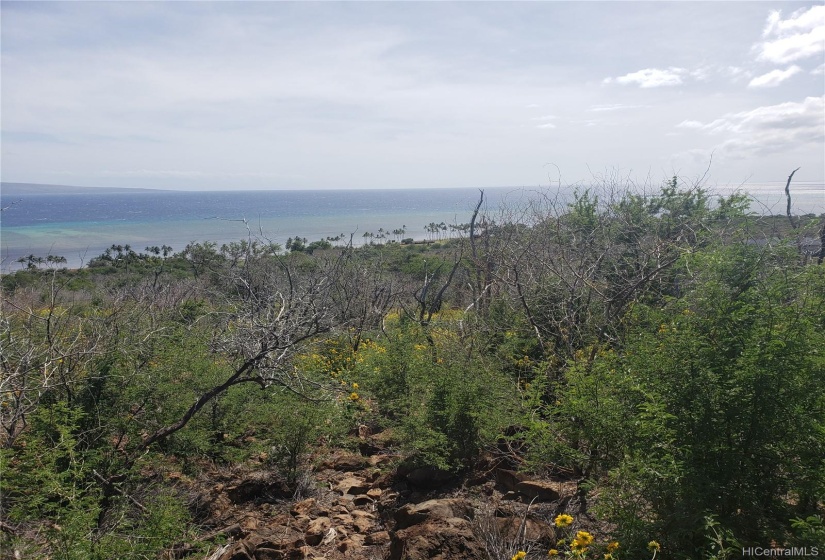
[[304, 507], [361, 501], [351, 545], [282, 539], [539, 490], [521, 485], [377, 538], [508, 480], [413, 514], [344, 519], [534, 529], [271, 543], [363, 521], [301, 522], [316, 530], [452, 538], [352, 485], [345, 462]]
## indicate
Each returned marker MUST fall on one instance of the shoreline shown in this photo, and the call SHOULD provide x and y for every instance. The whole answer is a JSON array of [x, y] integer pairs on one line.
[[177, 218]]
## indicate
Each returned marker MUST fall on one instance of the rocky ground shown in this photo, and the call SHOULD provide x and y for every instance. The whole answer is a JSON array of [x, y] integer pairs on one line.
[[363, 506]]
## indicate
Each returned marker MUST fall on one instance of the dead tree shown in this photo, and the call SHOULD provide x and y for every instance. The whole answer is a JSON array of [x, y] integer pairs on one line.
[[283, 303], [44, 349], [794, 225], [363, 293]]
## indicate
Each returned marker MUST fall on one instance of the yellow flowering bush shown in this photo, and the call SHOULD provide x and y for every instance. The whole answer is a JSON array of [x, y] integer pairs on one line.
[[581, 545]]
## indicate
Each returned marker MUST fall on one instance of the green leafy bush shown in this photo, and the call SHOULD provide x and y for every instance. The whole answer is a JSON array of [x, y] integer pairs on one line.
[[713, 405]]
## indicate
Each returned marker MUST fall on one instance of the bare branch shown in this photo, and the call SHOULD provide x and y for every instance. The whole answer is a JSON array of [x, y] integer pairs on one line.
[[788, 195]]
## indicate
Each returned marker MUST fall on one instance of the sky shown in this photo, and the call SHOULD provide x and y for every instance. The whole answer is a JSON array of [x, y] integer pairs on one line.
[[318, 95]]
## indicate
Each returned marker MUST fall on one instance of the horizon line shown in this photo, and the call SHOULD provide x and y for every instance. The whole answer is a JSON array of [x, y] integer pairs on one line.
[[247, 189]]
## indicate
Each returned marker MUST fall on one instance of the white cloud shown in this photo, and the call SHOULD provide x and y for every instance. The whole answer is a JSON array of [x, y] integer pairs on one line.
[[767, 130], [651, 77], [800, 36], [736, 73], [690, 124], [818, 70], [800, 20], [546, 121], [774, 77], [703, 74], [613, 107]]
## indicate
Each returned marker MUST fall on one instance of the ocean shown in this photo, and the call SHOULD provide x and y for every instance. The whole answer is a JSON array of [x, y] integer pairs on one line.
[[79, 224]]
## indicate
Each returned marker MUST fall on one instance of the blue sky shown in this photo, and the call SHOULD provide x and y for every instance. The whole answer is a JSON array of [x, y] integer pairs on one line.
[[223, 95]]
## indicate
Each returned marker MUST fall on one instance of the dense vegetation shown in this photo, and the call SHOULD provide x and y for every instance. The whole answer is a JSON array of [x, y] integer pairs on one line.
[[665, 349]]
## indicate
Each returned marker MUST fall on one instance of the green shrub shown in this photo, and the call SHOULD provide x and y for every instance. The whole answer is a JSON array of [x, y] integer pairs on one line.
[[713, 406], [297, 427], [448, 407], [51, 481]]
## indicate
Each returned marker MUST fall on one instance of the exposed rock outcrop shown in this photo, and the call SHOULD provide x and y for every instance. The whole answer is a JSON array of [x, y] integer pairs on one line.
[[362, 510]]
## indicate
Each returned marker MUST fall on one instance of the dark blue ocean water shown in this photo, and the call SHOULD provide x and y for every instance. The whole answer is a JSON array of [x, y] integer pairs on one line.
[[81, 225]]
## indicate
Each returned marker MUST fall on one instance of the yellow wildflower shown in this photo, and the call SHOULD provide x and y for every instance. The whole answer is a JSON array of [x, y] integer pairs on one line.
[[612, 547], [355, 385], [563, 520], [653, 546], [519, 555], [578, 546], [584, 537], [354, 397], [608, 556], [552, 552]]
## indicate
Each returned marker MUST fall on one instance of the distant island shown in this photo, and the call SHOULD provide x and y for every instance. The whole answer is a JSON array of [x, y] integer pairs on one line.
[[11, 189]]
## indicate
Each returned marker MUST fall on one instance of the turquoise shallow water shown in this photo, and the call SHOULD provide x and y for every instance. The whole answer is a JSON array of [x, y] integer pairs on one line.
[[80, 242], [81, 226]]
